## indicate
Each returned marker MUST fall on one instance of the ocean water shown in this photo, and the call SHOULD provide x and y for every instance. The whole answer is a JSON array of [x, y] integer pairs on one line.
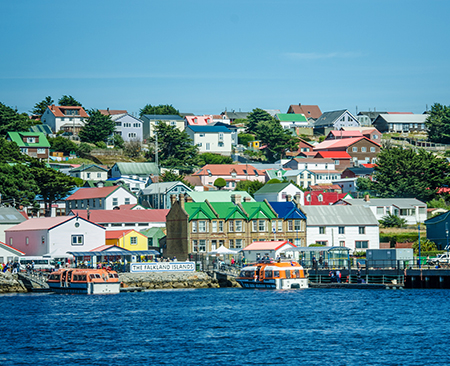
[[228, 327]]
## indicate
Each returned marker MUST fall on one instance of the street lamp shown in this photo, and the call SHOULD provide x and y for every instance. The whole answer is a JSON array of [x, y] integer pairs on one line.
[[446, 234], [419, 246]]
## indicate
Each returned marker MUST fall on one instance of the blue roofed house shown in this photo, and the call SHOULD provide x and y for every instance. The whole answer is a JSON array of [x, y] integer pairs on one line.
[[334, 120], [212, 139], [151, 120], [291, 220], [129, 127]]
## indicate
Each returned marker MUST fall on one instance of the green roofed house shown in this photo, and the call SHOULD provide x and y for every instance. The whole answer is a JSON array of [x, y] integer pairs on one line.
[[42, 129], [279, 192], [34, 144], [154, 235], [200, 227], [296, 123], [137, 171]]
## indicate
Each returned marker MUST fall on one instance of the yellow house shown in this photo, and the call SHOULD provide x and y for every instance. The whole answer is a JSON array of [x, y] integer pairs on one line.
[[254, 145], [127, 239]]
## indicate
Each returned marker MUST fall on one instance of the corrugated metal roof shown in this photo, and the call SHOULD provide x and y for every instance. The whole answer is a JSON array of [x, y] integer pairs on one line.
[[145, 169], [161, 187], [272, 188], [328, 118], [404, 118], [291, 117], [398, 202], [339, 215], [9, 215], [218, 196]]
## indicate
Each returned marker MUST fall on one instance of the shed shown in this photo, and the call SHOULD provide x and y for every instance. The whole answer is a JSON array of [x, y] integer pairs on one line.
[[272, 249]]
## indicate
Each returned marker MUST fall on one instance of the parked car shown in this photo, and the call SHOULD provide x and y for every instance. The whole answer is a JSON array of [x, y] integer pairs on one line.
[[441, 259]]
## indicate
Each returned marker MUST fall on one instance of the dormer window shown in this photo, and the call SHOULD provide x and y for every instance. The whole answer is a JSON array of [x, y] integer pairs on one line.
[[31, 140], [209, 172], [233, 174]]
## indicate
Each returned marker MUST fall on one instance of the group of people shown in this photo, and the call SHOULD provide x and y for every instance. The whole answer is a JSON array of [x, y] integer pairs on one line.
[[335, 276], [14, 267]]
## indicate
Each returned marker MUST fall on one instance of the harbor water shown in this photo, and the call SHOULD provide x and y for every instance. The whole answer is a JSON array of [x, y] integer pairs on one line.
[[227, 327]]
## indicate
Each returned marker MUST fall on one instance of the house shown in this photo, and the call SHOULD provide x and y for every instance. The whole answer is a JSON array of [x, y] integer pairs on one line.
[[232, 173], [309, 111], [399, 122], [129, 127], [370, 132], [112, 112], [126, 239], [9, 217], [297, 124], [91, 172], [310, 163], [136, 171], [275, 174], [438, 230], [200, 227], [155, 237], [157, 195], [133, 185], [271, 249], [196, 182], [135, 206], [8, 253], [346, 184], [357, 172], [55, 235], [342, 160], [213, 139], [125, 219], [65, 118], [278, 192], [410, 209], [322, 198], [291, 221], [45, 129], [334, 120], [34, 144], [233, 130], [233, 115], [105, 198], [361, 149], [197, 121], [151, 120], [100, 183], [343, 134], [366, 118], [219, 196], [303, 147], [353, 227], [307, 171]]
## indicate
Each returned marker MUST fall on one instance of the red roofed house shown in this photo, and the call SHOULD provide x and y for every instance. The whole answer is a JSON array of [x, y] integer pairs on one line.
[[232, 173], [55, 236], [342, 160], [361, 149], [112, 112], [321, 198], [125, 219], [370, 132], [197, 120], [303, 147], [8, 253], [65, 118], [310, 111], [272, 249], [103, 198]]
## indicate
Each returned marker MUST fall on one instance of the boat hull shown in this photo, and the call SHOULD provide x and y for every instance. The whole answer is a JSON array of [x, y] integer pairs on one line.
[[276, 284], [86, 288]]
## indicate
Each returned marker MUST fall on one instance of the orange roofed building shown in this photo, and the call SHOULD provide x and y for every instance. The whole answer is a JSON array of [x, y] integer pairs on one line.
[[65, 118]]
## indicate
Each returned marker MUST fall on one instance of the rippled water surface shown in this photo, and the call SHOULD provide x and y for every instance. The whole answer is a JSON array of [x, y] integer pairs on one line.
[[228, 327]]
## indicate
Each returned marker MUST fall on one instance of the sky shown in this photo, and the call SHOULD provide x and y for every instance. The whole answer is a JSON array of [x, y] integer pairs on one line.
[[208, 56]]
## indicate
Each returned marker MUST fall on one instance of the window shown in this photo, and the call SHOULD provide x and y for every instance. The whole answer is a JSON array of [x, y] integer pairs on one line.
[[136, 125], [199, 144], [220, 136], [31, 140], [238, 243], [354, 149], [230, 226], [10, 241], [342, 243], [115, 201], [77, 239], [99, 175], [195, 245], [262, 225], [88, 175], [213, 244], [132, 134], [214, 226], [341, 229], [297, 225], [372, 149], [380, 210], [208, 146], [173, 123], [133, 240], [336, 162], [362, 230], [194, 226], [41, 151], [322, 242], [27, 240], [231, 243], [375, 137], [202, 245], [127, 200], [363, 149], [422, 211], [201, 135], [290, 225], [24, 150], [321, 229], [220, 144], [280, 225], [239, 226], [254, 226], [220, 226], [202, 226], [361, 244]]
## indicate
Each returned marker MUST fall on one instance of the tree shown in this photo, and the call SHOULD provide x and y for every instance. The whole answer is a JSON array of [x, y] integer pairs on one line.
[[171, 176], [245, 138], [210, 158], [175, 148], [17, 185], [10, 120], [277, 140], [438, 124], [425, 246], [53, 185], [160, 109], [253, 119], [405, 173], [118, 141], [220, 183], [10, 152], [39, 108], [250, 186], [364, 184], [273, 181], [61, 144], [98, 127], [392, 221], [68, 100], [133, 148]]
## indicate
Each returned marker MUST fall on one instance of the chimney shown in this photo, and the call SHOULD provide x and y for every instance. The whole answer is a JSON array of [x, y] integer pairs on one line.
[[173, 199], [247, 199], [367, 198], [181, 199], [189, 199], [236, 198], [288, 198], [297, 199]]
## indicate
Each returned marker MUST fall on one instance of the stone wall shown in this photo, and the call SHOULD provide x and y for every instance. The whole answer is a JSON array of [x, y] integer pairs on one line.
[[167, 280], [10, 283]]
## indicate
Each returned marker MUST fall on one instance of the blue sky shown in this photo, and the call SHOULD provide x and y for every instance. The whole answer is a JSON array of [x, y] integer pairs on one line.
[[205, 56]]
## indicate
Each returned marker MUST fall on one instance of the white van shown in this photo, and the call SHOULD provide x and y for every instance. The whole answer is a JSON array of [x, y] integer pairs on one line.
[[40, 263]]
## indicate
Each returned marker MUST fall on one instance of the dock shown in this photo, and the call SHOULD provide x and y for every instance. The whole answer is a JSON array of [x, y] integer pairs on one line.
[[359, 286]]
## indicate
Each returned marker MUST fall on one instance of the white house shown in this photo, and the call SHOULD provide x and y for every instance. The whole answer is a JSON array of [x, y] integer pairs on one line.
[[136, 171], [129, 127], [261, 249], [55, 235], [157, 195], [279, 192], [8, 253], [354, 227], [65, 118], [213, 139], [303, 178], [104, 198], [410, 209], [89, 172]]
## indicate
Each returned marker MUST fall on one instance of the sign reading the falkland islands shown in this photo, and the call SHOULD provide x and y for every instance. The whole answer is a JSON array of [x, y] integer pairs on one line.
[[163, 267]]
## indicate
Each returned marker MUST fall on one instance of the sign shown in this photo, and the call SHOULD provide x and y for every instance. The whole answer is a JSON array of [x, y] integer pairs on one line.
[[163, 267]]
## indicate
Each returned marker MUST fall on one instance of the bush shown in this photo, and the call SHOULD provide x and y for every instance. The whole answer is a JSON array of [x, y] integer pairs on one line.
[[85, 148], [220, 183], [392, 221]]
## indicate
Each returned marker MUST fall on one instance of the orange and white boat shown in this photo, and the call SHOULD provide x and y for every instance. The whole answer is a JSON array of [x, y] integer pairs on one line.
[[84, 281], [273, 275]]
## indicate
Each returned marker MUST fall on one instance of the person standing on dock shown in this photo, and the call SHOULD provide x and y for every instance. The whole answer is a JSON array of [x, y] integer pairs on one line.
[[338, 276]]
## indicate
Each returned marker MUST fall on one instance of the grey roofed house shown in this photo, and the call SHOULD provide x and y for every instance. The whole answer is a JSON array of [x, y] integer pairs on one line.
[[157, 195], [41, 128], [140, 170], [339, 215], [329, 119], [232, 115], [9, 217], [371, 115], [400, 122]]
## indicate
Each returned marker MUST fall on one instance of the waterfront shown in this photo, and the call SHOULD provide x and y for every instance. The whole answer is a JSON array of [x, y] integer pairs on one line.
[[227, 327]]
